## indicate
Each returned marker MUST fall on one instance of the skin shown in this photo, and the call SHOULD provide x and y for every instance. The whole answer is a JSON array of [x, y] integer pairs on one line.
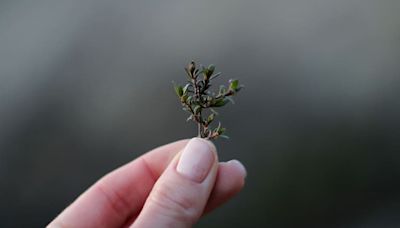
[[144, 193]]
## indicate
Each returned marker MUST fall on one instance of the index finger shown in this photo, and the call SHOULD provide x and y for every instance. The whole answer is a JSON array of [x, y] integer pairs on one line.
[[115, 197]]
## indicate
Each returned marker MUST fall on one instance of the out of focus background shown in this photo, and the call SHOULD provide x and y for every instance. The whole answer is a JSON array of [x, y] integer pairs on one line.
[[85, 86]]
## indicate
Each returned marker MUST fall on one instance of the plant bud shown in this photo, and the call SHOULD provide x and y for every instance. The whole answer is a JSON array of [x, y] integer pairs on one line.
[[211, 69], [191, 67], [208, 72]]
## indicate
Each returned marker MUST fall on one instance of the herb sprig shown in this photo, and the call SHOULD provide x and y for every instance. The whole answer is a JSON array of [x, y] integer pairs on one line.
[[200, 102]]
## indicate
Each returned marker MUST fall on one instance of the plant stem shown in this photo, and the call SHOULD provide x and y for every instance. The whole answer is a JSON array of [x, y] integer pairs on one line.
[[199, 130], [199, 117]]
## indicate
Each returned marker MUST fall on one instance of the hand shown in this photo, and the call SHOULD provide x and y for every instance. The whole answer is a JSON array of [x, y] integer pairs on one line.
[[170, 186]]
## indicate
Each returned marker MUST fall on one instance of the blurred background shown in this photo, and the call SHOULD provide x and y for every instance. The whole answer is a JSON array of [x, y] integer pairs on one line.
[[85, 87]]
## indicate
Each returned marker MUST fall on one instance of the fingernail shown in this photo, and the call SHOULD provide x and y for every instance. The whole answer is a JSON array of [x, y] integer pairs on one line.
[[239, 165], [196, 160]]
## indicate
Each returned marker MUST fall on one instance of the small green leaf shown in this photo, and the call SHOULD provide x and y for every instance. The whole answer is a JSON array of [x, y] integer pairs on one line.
[[196, 73], [215, 75], [234, 84], [224, 136], [220, 102], [188, 74], [210, 118], [178, 90], [208, 72], [197, 109], [184, 90], [189, 99], [222, 89], [211, 68], [221, 131]]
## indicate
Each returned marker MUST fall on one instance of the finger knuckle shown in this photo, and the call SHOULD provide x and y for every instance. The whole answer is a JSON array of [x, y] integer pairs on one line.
[[176, 204]]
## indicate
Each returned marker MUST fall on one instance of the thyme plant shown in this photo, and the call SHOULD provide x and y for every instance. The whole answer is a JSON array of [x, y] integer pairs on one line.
[[200, 102]]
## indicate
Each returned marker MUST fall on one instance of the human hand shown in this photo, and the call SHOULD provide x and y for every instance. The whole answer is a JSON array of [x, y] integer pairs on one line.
[[170, 186]]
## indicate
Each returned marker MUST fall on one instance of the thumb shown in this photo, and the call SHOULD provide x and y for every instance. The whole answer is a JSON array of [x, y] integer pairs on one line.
[[180, 194]]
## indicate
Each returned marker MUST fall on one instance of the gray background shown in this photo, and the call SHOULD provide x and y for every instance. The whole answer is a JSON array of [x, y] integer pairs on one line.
[[85, 86]]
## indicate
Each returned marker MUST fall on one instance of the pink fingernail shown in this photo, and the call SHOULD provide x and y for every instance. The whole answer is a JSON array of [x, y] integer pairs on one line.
[[196, 160]]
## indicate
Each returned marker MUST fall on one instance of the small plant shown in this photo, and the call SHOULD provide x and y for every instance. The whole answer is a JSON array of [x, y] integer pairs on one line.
[[196, 99]]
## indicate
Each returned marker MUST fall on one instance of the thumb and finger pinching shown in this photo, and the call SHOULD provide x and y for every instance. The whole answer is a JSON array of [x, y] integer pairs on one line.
[[180, 195], [170, 186]]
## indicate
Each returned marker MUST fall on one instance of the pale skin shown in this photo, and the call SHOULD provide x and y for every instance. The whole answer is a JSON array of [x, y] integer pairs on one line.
[[150, 191]]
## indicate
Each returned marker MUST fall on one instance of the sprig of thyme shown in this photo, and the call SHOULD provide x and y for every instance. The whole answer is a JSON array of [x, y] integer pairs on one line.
[[196, 99]]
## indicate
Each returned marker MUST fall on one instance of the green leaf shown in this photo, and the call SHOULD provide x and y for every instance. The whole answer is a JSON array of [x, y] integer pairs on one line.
[[185, 88], [178, 90], [196, 73], [189, 99], [224, 136], [211, 68], [215, 75], [220, 102], [208, 71], [234, 84], [210, 117], [222, 89], [191, 67], [221, 131], [197, 109], [188, 74]]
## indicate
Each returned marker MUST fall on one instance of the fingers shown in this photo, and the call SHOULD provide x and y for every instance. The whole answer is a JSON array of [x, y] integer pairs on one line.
[[121, 193], [180, 195], [117, 198], [230, 180]]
